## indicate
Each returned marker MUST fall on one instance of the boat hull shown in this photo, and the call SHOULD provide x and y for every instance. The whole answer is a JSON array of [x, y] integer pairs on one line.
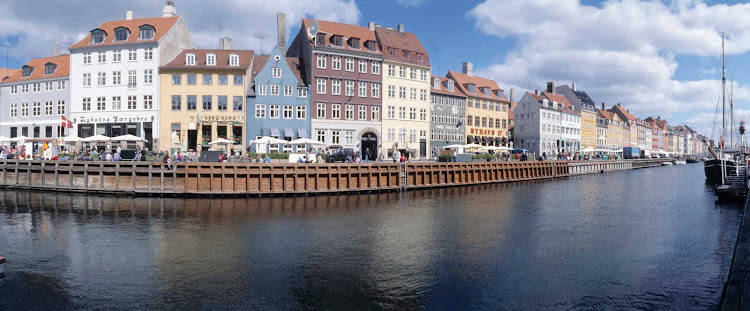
[[712, 168]]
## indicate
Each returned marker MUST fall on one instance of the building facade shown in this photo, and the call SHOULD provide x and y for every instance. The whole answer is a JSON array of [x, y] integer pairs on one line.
[[486, 108], [114, 75], [587, 107], [546, 124], [343, 66], [447, 111], [36, 99], [203, 98], [273, 112], [406, 100]]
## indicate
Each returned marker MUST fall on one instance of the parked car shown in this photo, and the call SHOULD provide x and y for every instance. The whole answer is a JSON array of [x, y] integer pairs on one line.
[[339, 155]]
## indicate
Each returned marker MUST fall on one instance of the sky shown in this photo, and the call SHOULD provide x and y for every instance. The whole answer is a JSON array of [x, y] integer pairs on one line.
[[657, 58]]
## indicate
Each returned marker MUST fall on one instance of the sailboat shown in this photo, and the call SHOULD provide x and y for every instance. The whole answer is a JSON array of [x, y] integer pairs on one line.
[[722, 164]]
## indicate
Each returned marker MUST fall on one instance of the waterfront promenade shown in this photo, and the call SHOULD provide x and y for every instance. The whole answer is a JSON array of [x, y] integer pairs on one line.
[[736, 294], [232, 179]]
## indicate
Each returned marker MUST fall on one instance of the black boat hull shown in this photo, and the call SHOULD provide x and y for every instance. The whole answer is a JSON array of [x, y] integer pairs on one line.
[[712, 168]]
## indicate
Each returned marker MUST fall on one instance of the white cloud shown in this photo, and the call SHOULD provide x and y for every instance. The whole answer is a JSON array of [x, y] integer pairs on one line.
[[624, 51], [410, 3], [39, 30]]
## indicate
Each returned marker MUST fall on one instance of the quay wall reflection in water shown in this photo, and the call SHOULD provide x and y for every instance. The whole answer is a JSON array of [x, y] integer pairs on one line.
[[651, 239]]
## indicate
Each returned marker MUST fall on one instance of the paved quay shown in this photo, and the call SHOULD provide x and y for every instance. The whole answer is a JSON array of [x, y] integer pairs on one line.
[[736, 294]]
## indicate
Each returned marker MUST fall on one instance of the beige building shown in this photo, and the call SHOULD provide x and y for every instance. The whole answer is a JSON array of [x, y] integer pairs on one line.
[[406, 83], [203, 96], [486, 108]]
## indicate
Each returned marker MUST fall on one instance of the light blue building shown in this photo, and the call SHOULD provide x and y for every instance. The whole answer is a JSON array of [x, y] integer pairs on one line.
[[278, 102]]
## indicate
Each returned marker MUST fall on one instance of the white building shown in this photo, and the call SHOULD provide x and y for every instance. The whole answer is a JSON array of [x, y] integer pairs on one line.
[[547, 124], [114, 76]]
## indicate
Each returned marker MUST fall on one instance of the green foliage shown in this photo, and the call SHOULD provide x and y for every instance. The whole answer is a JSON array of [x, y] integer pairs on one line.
[[444, 158], [273, 156], [483, 156]]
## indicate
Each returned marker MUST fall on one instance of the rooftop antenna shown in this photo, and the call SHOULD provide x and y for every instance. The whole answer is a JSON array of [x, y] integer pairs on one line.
[[7, 47], [261, 36]]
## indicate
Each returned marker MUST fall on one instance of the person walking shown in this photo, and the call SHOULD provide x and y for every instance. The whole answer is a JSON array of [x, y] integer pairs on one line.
[[366, 158], [396, 156]]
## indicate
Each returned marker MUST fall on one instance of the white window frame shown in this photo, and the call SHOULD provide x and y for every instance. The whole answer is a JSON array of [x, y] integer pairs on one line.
[[301, 112], [362, 66], [350, 64], [362, 89], [275, 90], [321, 61], [210, 59], [274, 111], [321, 110], [336, 111], [375, 68], [375, 89], [262, 89], [336, 86], [260, 111], [234, 60], [336, 62], [362, 112], [321, 85]]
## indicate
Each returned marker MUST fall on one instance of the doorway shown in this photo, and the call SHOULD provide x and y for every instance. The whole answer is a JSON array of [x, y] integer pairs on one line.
[[370, 141], [192, 140]]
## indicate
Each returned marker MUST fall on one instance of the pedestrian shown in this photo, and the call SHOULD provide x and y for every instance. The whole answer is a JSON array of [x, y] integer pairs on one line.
[[267, 159], [396, 156], [117, 157], [453, 156], [366, 158]]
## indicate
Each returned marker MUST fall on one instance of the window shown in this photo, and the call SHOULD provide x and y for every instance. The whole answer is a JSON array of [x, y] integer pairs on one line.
[[370, 45], [132, 55], [234, 60], [412, 73], [97, 36], [176, 79], [102, 78], [391, 111], [412, 135], [48, 108], [86, 59], [237, 103], [223, 79], [148, 76], [221, 102], [375, 113], [402, 113], [102, 57], [262, 90], [335, 137], [190, 59], [192, 79], [375, 89], [207, 105], [25, 107], [176, 102], [25, 87], [413, 93], [349, 113], [402, 72], [491, 123], [273, 111], [391, 136], [13, 90], [402, 134], [412, 113], [288, 112], [301, 112], [354, 43], [121, 34], [37, 110], [86, 80], [391, 70], [48, 86], [391, 91], [302, 93], [61, 107], [132, 78], [362, 90], [423, 75], [336, 62], [101, 103], [375, 68], [117, 78], [362, 66], [335, 111], [211, 59], [147, 32], [336, 86], [148, 101], [116, 56], [321, 85], [116, 103], [336, 40], [402, 92], [349, 88], [49, 69], [37, 87], [321, 61], [13, 110], [321, 114], [349, 64], [274, 90], [362, 113], [288, 90], [423, 95], [208, 79], [192, 102], [321, 134], [148, 54], [238, 79], [349, 137], [260, 111], [423, 114]]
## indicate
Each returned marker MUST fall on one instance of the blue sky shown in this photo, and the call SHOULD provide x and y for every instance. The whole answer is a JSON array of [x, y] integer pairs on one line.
[[657, 58]]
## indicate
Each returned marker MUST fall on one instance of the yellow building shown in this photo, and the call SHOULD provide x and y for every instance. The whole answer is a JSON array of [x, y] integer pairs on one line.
[[615, 130], [203, 96], [588, 129], [486, 108]]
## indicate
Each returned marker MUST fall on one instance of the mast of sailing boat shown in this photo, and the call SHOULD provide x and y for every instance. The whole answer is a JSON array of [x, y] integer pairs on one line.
[[723, 110], [731, 112]]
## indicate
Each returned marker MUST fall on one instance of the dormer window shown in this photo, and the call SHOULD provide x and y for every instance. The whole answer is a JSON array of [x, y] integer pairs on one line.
[[97, 36], [234, 60], [407, 54], [354, 43], [147, 32], [485, 90], [190, 59], [420, 57], [320, 39], [121, 34], [392, 51], [211, 59], [500, 93], [370, 45], [450, 85], [26, 71], [471, 87], [436, 83], [336, 40], [49, 68]]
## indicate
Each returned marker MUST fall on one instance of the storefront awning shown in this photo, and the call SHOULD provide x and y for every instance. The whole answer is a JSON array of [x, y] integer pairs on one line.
[[289, 133], [469, 139], [498, 141], [485, 140], [302, 133], [476, 139], [275, 132]]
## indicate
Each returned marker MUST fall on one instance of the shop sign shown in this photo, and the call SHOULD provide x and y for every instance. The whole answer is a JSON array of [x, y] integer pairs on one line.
[[113, 119], [220, 118], [482, 132]]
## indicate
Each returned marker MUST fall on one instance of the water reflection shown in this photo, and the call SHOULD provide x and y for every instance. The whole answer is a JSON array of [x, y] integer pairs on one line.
[[638, 239]]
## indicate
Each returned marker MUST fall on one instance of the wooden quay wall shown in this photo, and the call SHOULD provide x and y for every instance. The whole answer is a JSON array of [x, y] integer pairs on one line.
[[226, 179]]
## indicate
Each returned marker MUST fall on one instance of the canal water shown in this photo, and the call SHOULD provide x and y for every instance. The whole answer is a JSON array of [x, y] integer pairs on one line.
[[641, 239]]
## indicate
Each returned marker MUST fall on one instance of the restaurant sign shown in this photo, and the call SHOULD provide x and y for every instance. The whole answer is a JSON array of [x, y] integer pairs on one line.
[[475, 131], [220, 118], [113, 119]]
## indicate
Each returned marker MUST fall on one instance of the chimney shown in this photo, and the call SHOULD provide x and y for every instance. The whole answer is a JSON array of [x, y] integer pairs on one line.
[[468, 69], [619, 105], [128, 15], [56, 50], [169, 10], [389, 27], [511, 96], [371, 26], [536, 92], [603, 106], [377, 25], [574, 87], [400, 27], [551, 87], [225, 43], [281, 31]]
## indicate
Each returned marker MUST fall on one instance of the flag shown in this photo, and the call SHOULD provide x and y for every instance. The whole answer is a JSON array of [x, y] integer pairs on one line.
[[65, 123]]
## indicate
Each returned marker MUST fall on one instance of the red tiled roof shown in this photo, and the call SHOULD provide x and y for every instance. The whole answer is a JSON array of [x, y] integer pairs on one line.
[[462, 79], [511, 112], [222, 59], [567, 106], [296, 67], [400, 42], [444, 87], [6, 72], [62, 70], [259, 62], [623, 113], [347, 31], [161, 25]]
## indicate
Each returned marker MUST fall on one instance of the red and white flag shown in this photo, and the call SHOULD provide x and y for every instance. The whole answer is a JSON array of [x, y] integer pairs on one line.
[[65, 123]]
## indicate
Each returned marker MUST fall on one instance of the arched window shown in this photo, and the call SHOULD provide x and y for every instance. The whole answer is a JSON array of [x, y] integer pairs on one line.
[[234, 60], [211, 59], [190, 59], [121, 34], [97, 36], [147, 32]]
